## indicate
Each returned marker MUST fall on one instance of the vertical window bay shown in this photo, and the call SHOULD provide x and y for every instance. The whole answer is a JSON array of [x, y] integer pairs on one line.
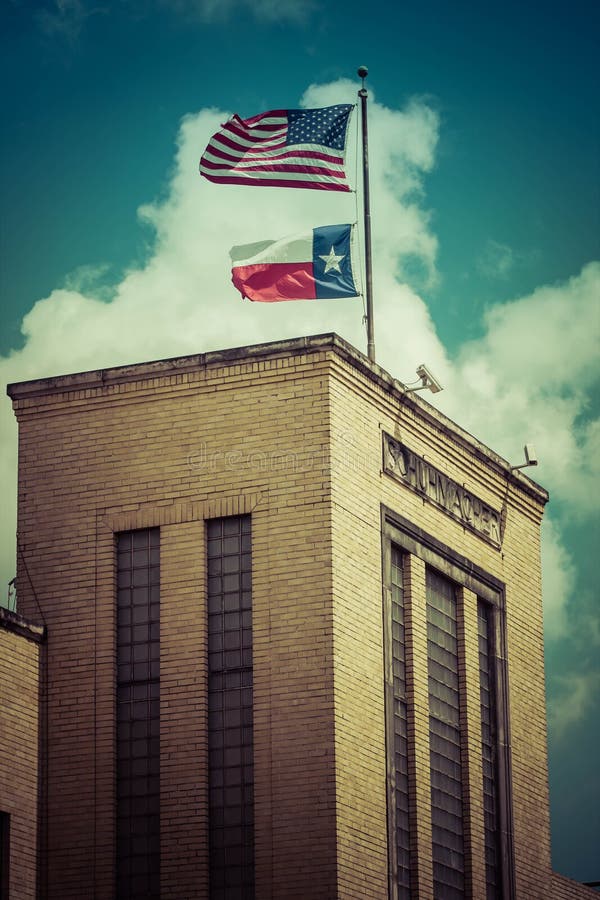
[[485, 619], [445, 739], [138, 715], [396, 727], [400, 799], [230, 724]]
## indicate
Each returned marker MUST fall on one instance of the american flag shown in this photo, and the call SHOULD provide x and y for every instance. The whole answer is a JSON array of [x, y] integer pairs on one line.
[[301, 148]]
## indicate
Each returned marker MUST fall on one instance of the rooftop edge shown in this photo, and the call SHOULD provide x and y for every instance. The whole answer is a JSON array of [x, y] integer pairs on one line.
[[292, 346], [12, 621]]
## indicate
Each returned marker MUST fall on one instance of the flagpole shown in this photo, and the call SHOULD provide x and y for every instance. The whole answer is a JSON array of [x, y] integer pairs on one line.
[[362, 73]]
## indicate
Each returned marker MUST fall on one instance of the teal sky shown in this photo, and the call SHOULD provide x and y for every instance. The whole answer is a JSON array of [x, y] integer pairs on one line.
[[94, 95]]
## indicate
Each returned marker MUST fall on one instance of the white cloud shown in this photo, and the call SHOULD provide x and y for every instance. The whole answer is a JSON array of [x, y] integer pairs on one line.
[[558, 578], [531, 378]]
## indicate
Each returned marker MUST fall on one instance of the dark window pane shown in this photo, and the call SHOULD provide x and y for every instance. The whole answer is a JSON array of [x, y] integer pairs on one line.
[[231, 545], [230, 710], [444, 739], [215, 566], [140, 614], [398, 809], [139, 595], [138, 790], [141, 577], [140, 558], [124, 578], [485, 615]]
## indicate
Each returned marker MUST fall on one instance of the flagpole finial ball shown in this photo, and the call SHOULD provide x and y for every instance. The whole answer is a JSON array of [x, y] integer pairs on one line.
[[362, 72]]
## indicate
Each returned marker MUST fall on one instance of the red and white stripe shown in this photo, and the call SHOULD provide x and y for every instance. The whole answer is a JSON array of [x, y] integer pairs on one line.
[[254, 151]]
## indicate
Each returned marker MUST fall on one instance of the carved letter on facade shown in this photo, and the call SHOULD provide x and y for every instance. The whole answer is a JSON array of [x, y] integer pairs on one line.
[[454, 499]]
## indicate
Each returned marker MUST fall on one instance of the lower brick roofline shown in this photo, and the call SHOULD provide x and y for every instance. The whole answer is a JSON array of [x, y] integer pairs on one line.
[[12, 621], [177, 365]]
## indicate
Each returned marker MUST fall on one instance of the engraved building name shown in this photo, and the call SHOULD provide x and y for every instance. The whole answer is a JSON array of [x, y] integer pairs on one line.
[[455, 500]]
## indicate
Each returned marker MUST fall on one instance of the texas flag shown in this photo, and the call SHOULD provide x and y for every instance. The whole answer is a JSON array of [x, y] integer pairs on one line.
[[316, 265]]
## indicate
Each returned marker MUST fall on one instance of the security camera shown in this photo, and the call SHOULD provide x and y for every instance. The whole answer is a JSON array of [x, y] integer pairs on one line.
[[530, 458], [429, 380]]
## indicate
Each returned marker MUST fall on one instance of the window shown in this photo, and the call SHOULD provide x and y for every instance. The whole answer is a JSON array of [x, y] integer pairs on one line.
[[397, 727], [138, 715], [445, 573], [444, 739], [489, 744], [4, 854], [230, 740]]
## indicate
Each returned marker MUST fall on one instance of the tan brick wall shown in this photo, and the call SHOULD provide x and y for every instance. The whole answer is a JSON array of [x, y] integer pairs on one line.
[[19, 758], [361, 411], [359, 677], [295, 439], [172, 451]]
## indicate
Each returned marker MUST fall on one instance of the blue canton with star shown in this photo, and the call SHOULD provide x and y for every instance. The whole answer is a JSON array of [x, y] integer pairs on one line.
[[332, 262], [326, 126]]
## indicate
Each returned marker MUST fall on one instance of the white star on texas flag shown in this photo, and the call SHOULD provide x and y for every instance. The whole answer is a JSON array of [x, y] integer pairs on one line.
[[332, 261]]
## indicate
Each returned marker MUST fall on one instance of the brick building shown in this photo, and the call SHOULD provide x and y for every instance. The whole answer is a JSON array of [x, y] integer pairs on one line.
[[20, 658], [295, 640]]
